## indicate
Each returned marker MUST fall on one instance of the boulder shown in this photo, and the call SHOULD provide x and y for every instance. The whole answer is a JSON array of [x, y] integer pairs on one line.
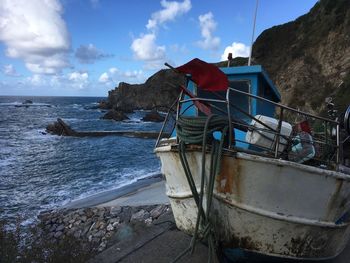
[[103, 105], [59, 127], [153, 116], [115, 115], [27, 102]]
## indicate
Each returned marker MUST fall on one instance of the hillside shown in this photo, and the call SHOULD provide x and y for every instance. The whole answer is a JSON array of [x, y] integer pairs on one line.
[[308, 59]]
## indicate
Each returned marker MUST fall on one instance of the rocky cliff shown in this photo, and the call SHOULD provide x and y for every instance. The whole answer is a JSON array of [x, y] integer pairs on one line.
[[155, 93], [308, 59]]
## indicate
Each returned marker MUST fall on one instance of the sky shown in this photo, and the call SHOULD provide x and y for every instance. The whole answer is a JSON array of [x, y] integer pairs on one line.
[[86, 47]]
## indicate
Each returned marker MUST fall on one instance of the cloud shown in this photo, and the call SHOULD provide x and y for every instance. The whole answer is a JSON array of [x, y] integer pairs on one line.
[[171, 9], [79, 79], [10, 70], [88, 54], [145, 48], [104, 78], [208, 26], [114, 76], [36, 80], [237, 49], [35, 32]]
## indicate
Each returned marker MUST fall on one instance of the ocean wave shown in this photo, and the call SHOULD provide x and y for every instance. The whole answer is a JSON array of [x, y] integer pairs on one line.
[[137, 175], [20, 104]]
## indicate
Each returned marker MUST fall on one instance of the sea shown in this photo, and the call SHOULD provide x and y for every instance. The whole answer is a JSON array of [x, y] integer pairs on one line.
[[40, 171]]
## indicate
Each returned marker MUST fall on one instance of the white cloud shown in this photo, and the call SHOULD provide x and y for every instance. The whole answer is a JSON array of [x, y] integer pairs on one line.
[[145, 48], [171, 9], [114, 76], [88, 54], [104, 78], [10, 70], [113, 70], [78, 77], [36, 80], [237, 49], [208, 26], [35, 32]]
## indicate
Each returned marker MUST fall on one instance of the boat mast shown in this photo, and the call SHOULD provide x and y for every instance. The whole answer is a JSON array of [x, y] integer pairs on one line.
[[251, 45]]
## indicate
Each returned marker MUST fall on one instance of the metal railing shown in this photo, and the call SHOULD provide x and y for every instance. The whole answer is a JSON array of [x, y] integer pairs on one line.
[[327, 143]]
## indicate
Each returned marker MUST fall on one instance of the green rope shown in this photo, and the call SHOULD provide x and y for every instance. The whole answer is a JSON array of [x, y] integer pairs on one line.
[[199, 130]]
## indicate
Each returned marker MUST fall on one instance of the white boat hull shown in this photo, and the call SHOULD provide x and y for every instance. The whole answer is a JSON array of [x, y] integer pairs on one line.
[[264, 205]]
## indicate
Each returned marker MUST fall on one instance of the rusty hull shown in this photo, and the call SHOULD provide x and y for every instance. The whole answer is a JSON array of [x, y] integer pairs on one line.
[[268, 206]]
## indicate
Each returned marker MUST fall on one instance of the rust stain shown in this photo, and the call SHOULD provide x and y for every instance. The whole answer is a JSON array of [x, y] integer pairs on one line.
[[335, 199], [228, 180], [243, 242]]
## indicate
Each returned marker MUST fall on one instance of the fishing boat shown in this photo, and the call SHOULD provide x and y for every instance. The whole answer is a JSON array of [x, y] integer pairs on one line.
[[246, 172]]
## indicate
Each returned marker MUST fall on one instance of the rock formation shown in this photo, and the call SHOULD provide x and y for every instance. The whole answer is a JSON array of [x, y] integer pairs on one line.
[[153, 116], [100, 226], [115, 115], [155, 93], [309, 58]]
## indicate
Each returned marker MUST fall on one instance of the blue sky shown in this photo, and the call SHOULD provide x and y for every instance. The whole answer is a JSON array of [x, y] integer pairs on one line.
[[86, 47]]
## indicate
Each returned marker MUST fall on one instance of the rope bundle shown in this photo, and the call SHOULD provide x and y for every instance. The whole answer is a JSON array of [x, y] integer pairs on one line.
[[196, 130]]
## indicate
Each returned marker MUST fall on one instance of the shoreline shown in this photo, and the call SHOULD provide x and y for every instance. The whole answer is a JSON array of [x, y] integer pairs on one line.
[[109, 196]]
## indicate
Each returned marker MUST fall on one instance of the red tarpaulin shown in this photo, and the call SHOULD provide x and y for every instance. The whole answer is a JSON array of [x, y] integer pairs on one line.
[[206, 76]]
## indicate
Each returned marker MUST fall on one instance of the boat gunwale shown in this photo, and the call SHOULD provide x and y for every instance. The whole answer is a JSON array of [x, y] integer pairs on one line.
[[173, 147]]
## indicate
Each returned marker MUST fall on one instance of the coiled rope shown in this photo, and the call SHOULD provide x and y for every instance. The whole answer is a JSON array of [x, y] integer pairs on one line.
[[200, 130]]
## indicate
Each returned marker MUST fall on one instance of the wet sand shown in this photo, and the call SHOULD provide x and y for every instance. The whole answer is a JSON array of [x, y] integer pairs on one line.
[[143, 192]]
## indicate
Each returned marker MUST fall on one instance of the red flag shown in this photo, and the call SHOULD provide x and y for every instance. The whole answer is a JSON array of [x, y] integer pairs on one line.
[[206, 76]]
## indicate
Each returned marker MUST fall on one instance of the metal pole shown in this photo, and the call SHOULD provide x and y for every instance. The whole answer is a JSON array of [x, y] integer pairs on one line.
[[278, 133], [251, 46]]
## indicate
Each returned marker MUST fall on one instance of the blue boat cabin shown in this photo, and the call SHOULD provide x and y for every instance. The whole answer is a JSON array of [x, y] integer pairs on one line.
[[249, 79]]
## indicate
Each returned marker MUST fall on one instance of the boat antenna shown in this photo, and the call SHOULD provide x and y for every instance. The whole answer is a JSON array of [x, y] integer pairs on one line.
[[251, 46]]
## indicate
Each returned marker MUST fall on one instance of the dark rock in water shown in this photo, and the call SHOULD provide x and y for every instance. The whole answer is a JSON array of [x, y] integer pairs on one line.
[[63, 129], [125, 109], [95, 107], [153, 116], [115, 115], [59, 127], [103, 105], [27, 102]]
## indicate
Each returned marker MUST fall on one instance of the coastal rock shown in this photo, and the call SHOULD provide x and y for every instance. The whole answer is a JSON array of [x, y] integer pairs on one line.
[[110, 227], [27, 102], [156, 212], [59, 127], [153, 116], [115, 210], [60, 228], [139, 216], [98, 226], [115, 115], [156, 92], [126, 214], [58, 234], [103, 105]]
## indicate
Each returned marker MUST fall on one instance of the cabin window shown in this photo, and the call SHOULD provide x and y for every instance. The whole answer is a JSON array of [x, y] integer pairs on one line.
[[218, 108], [239, 100]]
